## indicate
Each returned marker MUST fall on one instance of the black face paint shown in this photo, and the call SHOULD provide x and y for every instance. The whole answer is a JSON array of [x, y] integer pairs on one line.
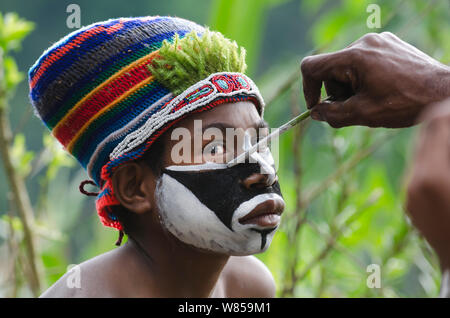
[[264, 235], [222, 191]]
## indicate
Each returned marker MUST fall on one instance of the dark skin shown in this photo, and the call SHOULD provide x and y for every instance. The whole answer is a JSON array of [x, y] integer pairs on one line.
[[382, 81], [153, 263], [377, 81], [428, 200]]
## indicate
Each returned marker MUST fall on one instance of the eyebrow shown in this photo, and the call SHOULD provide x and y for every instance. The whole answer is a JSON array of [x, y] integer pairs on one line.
[[223, 126]]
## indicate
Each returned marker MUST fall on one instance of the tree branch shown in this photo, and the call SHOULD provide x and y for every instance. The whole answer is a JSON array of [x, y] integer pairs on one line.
[[332, 239], [18, 189], [345, 167]]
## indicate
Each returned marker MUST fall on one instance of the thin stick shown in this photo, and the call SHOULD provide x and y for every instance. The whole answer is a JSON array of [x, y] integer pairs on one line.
[[18, 189], [243, 156]]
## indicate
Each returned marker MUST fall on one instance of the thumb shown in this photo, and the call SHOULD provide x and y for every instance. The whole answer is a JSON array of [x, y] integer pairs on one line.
[[339, 113]]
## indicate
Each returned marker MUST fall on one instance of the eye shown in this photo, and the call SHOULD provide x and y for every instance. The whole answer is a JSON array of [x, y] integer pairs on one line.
[[215, 148]]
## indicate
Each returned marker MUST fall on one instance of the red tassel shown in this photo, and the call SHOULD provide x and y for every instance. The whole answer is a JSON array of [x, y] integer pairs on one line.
[[119, 240]]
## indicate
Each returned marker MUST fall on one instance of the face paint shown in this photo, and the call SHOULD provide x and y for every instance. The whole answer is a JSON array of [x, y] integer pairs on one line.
[[202, 204], [203, 207], [263, 157]]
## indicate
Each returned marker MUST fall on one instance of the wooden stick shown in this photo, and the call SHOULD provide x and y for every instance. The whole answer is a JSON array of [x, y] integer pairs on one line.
[[243, 156]]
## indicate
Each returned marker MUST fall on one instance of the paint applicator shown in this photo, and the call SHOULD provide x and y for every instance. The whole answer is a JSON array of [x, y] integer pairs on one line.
[[283, 128]]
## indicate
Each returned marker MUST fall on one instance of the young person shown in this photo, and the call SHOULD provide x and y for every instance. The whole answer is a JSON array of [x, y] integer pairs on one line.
[[115, 94]]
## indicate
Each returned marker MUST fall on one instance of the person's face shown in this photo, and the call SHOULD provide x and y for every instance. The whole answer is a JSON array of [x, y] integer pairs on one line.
[[232, 210]]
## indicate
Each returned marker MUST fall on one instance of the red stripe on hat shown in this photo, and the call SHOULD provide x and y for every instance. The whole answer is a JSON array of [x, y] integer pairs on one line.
[[61, 51], [71, 124]]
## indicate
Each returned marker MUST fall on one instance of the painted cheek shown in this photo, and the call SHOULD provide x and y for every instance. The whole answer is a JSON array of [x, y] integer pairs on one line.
[[193, 223], [219, 188]]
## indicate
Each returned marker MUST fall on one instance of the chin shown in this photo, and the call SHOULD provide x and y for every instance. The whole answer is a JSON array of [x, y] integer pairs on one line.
[[248, 242]]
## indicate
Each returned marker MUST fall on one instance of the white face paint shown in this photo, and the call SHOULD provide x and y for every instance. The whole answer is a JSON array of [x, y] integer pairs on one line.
[[195, 224], [187, 213], [263, 157]]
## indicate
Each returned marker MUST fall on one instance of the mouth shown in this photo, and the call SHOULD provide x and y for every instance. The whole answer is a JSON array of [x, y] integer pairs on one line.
[[265, 214]]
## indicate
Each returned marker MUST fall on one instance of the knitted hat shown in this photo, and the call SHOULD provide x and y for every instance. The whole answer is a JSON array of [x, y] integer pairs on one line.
[[108, 90]]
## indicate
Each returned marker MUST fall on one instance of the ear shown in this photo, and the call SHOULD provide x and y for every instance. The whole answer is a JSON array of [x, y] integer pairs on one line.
[[132, 185]]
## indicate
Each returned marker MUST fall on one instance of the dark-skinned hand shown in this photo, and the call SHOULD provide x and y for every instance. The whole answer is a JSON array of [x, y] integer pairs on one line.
[[377, 81]]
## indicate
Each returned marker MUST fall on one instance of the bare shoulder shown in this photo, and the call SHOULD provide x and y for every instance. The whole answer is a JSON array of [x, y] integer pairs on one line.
[[247, 276], [88, 279]]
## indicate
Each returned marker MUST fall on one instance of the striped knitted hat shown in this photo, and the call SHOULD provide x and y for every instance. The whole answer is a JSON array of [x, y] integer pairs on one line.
[[108, 90]]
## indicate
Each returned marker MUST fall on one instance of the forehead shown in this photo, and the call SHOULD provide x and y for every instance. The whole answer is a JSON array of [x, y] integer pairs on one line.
[[238, 115]]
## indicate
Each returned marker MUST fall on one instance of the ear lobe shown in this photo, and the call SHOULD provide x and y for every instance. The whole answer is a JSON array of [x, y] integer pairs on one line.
[[130, 188]]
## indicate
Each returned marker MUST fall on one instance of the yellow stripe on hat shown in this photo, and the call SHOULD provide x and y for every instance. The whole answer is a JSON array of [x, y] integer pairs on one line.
[[98, 88], [106, 108]]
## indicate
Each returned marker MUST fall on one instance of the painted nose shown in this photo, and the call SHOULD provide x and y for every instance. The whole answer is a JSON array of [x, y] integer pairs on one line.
[[258, 181]]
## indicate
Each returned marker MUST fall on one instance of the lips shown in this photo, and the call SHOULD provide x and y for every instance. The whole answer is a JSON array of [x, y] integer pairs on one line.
[[265, 214]]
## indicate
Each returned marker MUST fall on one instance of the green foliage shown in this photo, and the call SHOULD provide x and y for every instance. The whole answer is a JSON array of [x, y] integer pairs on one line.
[[349, 17], [12, 75], [244, 22], [335, 224], [12, 31], [13, 221], [21, 156], [55, 157], [191, 59], [356, 219], [18, 158]]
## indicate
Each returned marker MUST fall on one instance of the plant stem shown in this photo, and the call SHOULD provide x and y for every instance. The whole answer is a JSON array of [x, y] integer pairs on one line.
[[298, 134], [335, 235], [13, 247], [345, 167], [20, 194]]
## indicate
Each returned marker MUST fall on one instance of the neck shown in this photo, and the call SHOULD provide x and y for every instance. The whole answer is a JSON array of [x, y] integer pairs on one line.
[[175, 269]]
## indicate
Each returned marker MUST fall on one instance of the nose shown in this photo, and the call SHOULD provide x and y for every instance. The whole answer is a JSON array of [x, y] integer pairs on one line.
[[258, 181]]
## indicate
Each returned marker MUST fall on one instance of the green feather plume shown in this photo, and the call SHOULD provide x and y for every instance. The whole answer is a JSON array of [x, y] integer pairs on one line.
[[193, 58]]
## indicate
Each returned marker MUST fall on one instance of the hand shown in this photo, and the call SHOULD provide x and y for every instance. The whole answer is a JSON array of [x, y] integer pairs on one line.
[[377, 81], [428, 194]]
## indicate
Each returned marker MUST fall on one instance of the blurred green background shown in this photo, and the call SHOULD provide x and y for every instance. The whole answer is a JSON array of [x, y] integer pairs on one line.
[[344, 188]]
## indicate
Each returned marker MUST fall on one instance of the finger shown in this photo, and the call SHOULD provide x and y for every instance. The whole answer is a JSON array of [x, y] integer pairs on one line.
[[339, 113], [311, 90], [322, 67], [339, 91]]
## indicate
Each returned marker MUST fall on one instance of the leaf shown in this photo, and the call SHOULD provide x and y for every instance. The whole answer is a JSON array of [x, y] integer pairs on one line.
[[13, 30], [21, 157], [12, 75], [56, 156]]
